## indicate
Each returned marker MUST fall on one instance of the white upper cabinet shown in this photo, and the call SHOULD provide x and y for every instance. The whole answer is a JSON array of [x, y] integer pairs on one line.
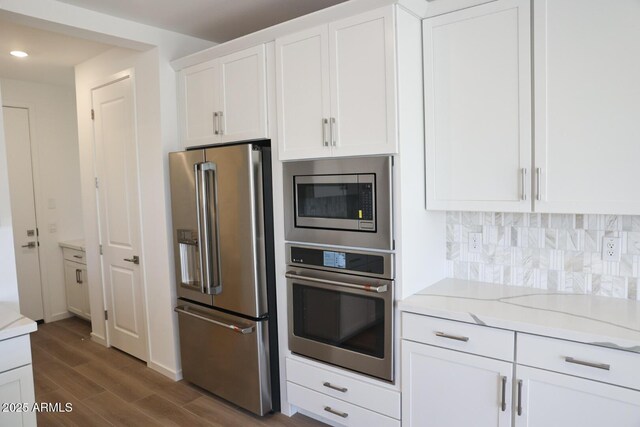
[[225, 99], [477, 84], [336, 88], [587, 109]]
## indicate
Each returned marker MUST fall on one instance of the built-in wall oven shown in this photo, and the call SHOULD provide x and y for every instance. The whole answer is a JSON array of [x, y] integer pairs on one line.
[[345, 202], [341, 307]]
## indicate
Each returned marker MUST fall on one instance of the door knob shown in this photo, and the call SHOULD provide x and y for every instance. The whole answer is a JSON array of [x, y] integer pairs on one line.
[[29, 245], [135, 259]]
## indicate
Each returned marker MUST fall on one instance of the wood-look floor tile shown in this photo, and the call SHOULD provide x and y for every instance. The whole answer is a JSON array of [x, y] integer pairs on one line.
[[178, 392], [42, 383], [64, 352], [117, 411], [125, 386], [72, 381], [77, 325], [169, 413], [80, 416]]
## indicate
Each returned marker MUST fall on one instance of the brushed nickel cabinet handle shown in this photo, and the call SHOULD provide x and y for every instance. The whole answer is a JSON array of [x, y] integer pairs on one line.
[[519, 409], [333, 131], [452, 337], [335, 387], [325, 134], [538, 183], [503, 406], [603, 366], [523, 173], [334, 412], [78, 256], [215, 123], [221, 121]]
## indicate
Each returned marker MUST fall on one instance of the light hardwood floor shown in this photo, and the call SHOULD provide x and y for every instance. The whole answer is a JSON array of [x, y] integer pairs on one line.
[[110, 388]]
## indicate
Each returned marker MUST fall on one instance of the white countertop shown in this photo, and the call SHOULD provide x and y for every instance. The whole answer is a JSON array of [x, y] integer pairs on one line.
[[73, 244], [13, 324], [609, 322]]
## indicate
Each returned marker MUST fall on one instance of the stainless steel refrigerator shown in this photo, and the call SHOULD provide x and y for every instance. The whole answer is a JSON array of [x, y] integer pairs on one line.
[[223, 244]]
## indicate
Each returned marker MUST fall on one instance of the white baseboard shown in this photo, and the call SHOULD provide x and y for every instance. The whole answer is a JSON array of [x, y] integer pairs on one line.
[[174, 375], [100, 340], [59, 316]]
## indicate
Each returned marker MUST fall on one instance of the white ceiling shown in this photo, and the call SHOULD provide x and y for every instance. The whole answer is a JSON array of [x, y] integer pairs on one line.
[[214, 20], [52, 56]]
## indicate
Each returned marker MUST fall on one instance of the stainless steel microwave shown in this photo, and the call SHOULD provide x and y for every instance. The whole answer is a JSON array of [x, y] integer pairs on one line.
[[345, 202]]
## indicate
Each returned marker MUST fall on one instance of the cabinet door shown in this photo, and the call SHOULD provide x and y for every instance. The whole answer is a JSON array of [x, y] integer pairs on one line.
[[16, 387], [478, 108], [447, 388], [243, 95], [197, 104], [363, 84], [75, 292], [302, 71], [587, 63], [551, 399]]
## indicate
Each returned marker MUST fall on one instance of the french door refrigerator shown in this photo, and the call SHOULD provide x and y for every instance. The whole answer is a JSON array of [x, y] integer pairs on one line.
[[223, 244]]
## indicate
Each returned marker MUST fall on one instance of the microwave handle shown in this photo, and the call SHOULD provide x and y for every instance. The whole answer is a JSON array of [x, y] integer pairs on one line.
[[369, 288]]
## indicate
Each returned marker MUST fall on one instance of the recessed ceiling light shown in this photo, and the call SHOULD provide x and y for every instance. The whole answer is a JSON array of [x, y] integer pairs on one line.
[[19, 53]]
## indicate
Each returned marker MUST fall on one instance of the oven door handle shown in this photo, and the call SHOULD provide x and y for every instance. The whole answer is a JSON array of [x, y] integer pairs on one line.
[[368, 288]]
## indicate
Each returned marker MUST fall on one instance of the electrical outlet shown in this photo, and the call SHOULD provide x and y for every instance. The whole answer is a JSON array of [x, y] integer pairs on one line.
[[475, 242], [611, 249]]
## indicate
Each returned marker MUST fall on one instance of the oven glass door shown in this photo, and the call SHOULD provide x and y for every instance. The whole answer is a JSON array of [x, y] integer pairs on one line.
[[342, 202], [340, 319]]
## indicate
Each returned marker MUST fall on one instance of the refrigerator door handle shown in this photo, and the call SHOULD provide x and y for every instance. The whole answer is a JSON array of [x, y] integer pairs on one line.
[[208, 242], [235, 328]]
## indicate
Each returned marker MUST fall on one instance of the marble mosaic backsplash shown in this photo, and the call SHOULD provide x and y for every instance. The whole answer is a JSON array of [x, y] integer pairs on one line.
[[549, 251]]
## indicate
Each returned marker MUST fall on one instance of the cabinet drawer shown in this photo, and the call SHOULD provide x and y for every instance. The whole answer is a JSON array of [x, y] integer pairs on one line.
[[329, 408], [74, 255], [15, 352], [482, 340], [370, 396], [583, 360]]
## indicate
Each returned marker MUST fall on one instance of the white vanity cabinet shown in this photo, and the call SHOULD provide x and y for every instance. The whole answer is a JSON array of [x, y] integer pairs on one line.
[[459, 374], [224, 100], [76, 285], [336, 87]]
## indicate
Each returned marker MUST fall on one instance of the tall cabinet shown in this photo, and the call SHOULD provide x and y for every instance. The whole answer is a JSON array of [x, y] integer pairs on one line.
[[477, 83], [336, 87]]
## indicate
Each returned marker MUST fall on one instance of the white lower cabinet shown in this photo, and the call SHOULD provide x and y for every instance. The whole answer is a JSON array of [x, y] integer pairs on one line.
[[550, 383], [339, 398], [548, 399], [444, 387], [76, 285], [17, 395]]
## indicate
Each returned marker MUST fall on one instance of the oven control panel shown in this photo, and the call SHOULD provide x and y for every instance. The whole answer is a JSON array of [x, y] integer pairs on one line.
[[340, 260]]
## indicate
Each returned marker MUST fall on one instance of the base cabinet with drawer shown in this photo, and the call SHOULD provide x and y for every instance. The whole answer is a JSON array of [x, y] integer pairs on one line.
[[452, 375], [76, 285], [16, 383], [341, 399]]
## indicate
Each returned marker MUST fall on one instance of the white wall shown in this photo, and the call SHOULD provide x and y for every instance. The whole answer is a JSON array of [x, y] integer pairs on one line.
[[8, 277], [153, 146], [56, 173]]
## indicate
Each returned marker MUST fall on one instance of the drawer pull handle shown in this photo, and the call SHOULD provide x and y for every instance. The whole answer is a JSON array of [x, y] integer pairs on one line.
[[335, 387], [519, 409], [452, 337], [503, 406], [334, 412], [604, 366], [78, 256]]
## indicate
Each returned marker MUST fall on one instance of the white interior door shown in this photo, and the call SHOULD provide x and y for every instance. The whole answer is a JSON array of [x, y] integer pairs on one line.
[[23, 211], [119, 212]]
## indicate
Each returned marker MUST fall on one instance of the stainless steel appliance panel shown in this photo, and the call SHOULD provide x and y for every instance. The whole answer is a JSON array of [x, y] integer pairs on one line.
[[347, 321], [225, 354], [186, 236], [375, 234], [240, 229]]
